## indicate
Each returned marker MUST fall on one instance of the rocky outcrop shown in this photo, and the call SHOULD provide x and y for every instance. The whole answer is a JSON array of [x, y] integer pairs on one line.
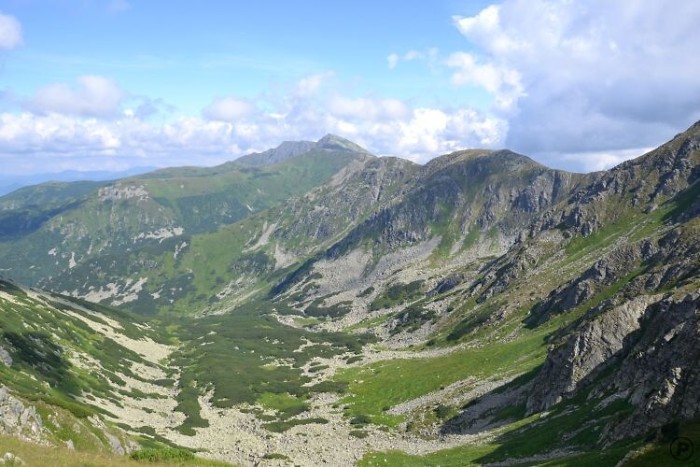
[[605, 272], [652, 344], [593, 346], [5, 357], [19, 420], [660, 375]]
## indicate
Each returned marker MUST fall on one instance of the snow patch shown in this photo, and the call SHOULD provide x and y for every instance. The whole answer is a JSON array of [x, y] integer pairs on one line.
[[160, 234]]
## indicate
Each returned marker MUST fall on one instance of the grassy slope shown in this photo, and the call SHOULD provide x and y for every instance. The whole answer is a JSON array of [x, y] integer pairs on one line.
[[44, 335], [58, 456]]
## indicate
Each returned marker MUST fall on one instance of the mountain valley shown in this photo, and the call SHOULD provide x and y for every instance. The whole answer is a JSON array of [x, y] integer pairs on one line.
[[315, 304]]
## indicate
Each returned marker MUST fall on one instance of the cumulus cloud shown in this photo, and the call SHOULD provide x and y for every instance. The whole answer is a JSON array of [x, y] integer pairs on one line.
[[586, 76], [57, 134], [10, 32], [429, 132], [602, 160], [412, 55], [368, 108], [91, 96], [502, 82], [227, 109], [309, 85], [230, 127]]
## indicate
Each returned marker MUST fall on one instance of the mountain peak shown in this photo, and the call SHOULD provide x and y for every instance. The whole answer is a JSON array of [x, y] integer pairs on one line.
[[335, 142], [290, 149]]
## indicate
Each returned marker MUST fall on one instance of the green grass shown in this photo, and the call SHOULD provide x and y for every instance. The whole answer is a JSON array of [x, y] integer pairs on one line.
[[385, 384], [661, 451], [162, 455], [59, 456], [284, 425], [396, 294], [454, 457], [285, 404], [572, 427]]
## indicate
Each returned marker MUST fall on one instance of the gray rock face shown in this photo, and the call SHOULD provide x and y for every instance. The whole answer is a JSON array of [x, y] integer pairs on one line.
[[603, 273], [5, 357], [11, 459], [593, 346], [119, 446], [660, 375], [18, 420], [654, 346]]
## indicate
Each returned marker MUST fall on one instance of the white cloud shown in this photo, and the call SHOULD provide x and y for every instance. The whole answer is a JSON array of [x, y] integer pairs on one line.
[[10, 32], [485, 28], [598, 160], [93, 96], [367, 108], [309, 85], [392, 60], [503, 83], [430, 132], [231, 127], [58, 134], [412, 55], [586, 77], [227, 109]]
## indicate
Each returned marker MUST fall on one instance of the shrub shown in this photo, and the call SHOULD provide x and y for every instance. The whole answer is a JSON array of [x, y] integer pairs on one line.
[[162, 455], [442, 411], [360, 420]]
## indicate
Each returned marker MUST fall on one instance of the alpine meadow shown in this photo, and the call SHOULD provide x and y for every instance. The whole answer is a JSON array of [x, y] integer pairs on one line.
[[233, 290]]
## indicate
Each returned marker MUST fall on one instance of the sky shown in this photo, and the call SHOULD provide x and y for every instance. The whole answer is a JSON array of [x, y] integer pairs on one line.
[[115, 84]]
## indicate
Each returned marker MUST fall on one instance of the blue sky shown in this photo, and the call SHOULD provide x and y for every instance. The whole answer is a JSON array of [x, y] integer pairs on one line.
[[112, 84]]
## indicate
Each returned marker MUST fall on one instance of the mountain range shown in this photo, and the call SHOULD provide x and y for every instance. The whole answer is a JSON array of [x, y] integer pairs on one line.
[[316, 304], [12, 182]]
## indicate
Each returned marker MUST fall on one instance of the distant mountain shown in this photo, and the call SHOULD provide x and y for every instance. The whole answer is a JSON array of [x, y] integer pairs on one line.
[[290, 149], [10, 183], [66, 229]]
